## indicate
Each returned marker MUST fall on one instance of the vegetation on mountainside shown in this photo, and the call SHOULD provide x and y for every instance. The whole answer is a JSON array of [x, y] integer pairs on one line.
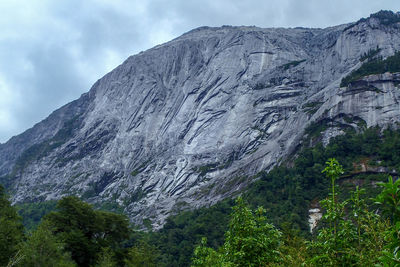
[[373, 66], [250, 241], [370, 54], [11, 229], [32, 213], [385, 17], [351, 234], [286, 192]]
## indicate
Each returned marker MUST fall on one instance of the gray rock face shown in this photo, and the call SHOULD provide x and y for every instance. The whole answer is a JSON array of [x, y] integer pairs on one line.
[[183, 124]]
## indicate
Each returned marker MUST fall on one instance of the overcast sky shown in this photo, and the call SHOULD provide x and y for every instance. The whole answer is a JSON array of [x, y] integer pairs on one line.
[[52, 51]]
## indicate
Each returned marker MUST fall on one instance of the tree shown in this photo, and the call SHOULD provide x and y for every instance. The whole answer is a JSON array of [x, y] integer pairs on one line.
[[389, 200], [43, 249], [333, 170], [106, 258], [142, 255], [86, 231], [205, 256], [250, 241], [354, 235], [11, 229]]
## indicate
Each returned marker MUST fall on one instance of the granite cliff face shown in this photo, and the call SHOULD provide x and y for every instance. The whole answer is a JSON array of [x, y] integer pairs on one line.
[[185, 124]]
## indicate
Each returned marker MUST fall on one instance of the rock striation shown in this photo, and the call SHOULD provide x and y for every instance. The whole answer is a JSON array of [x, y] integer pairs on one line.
[[186, 123]]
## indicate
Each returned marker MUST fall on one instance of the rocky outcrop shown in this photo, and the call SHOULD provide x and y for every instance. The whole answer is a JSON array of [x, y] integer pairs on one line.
[[185, 123]]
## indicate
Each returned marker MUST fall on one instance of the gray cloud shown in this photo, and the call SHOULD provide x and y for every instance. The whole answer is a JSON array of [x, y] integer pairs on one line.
[[52, 51]]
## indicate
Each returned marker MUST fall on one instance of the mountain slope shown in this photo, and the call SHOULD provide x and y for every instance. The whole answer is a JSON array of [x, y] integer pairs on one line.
[[184, 123]]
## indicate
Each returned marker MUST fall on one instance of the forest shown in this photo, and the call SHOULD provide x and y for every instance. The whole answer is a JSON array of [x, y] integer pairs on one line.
[[350, 180]]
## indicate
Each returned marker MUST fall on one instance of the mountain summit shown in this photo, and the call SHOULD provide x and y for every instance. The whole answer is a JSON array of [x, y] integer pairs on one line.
[[186, 123]]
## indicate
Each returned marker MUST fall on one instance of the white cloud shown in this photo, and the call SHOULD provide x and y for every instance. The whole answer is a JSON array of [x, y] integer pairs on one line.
[[8, 100]]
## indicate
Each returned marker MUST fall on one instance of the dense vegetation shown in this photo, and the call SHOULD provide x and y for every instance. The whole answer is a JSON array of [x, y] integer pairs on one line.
[[11, 229], [373, 66], [354, 234], [32, 213], [76, 234], [286, 192]]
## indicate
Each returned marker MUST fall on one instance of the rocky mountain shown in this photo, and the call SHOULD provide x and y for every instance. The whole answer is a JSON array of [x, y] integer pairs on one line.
[[188, 122]]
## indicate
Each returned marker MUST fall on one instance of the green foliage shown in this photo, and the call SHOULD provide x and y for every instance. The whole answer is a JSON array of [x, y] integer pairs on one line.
[[11, 229], [354, 235], [206, 256], [43, 249], [106, 258], [370, 54], [142, 255], [293, 249], [315, 129], [250, 241], [286, 193], [86, 231], [335, 211], [389, 201], [110, 205], [391, 252], [14, 260], [333, 170], [376, 66], [361, 238], [32, 213], [177, 239]]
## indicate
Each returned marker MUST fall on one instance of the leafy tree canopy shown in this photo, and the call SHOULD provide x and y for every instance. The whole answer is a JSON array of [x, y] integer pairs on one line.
[[86, 231]]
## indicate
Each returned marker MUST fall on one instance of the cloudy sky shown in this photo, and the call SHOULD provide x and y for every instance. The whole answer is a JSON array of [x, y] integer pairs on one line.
[[52, 51]]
